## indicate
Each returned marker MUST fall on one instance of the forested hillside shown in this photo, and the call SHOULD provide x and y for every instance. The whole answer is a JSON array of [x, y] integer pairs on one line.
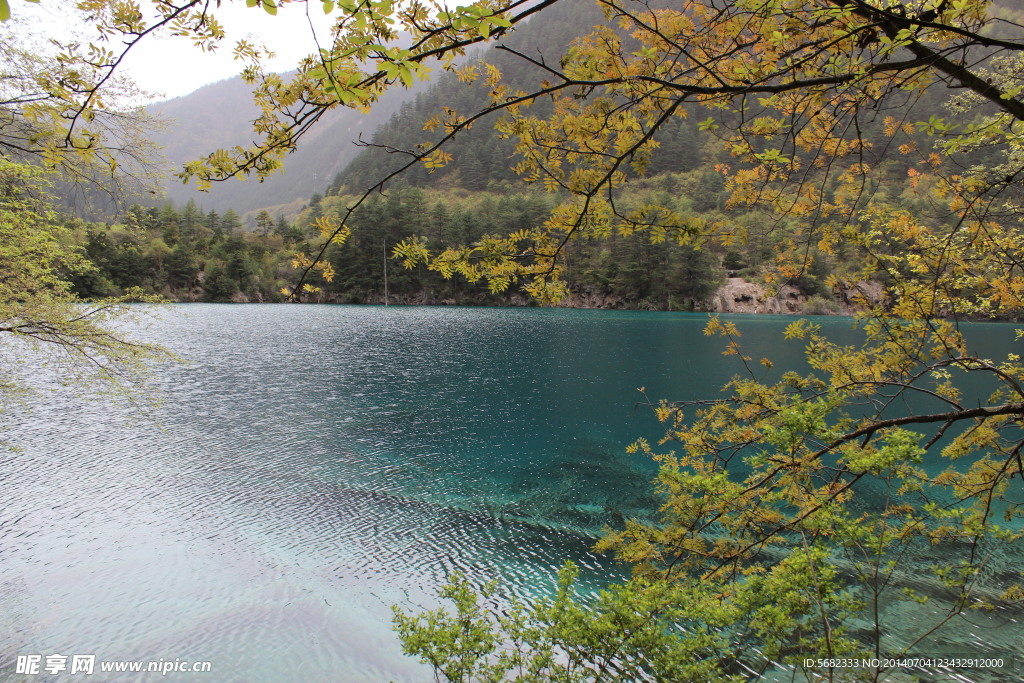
[[194, 253], [197, 248], [687, 172]]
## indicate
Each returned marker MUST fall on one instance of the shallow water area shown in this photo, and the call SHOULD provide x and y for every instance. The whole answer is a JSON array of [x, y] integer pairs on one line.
[[312, 465]]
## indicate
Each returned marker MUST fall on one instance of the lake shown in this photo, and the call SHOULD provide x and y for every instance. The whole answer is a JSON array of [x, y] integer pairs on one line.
[[310, 466]]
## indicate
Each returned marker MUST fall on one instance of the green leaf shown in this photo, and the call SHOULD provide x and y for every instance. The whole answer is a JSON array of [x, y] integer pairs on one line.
[[5, 10], [406, 76], [328, 7], [707, 124], [1012, 92]]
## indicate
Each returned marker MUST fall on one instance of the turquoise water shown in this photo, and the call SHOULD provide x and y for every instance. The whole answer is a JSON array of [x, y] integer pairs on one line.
[[310, 466]]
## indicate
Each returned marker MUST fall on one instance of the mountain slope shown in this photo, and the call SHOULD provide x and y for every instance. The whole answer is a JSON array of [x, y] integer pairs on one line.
[[479, 156], [220, 115]]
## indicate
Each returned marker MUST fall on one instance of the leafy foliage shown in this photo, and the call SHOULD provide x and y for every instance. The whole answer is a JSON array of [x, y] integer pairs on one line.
[[65, 110], [629, 632], [42, 322]]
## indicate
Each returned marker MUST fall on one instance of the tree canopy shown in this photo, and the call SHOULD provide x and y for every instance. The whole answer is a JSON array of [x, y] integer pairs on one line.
[[61, 108], [44, 327], [62, 123]]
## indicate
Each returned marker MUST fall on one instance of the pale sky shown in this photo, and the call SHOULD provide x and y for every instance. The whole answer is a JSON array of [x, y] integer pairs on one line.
[[173, 67]]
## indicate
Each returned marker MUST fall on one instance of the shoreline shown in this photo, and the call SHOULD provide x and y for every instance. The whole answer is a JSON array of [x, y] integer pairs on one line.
[[737, 295]]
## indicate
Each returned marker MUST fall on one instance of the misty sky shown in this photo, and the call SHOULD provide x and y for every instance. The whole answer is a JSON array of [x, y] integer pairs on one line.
[[173, 67]]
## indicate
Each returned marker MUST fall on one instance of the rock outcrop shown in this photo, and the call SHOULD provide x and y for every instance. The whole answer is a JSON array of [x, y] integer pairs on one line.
[[739, 296]]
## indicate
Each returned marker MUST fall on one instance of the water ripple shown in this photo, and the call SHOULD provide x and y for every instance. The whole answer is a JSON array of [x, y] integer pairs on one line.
[[310, 466]]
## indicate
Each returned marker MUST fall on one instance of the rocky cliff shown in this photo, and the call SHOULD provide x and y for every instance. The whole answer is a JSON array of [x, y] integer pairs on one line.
[[739, 296]]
